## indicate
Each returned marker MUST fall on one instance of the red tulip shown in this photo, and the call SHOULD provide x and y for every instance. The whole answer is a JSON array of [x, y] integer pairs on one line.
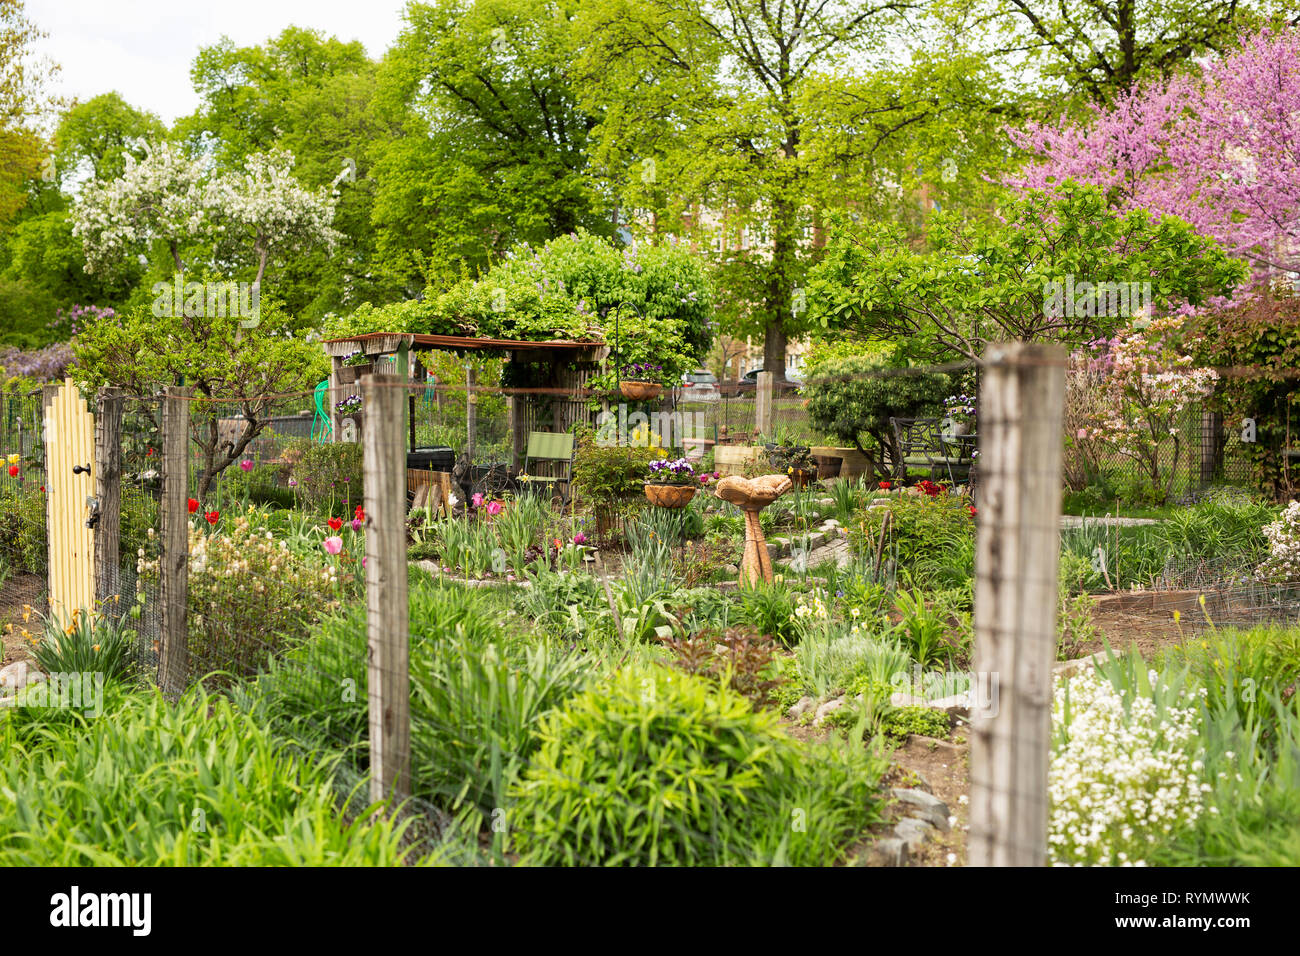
[[193, 505], [13, 471], [213, 516], [335, 523], [886, 485]]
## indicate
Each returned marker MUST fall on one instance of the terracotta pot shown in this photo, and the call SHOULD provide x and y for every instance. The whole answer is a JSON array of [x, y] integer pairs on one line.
[[670, 496], [828, 466], [640, 391]]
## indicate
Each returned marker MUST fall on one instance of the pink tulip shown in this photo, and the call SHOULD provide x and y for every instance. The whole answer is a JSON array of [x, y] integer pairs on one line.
[[494, 508], [579, 538], [246, 465], [333, 544], [356, 524], [477, 500]]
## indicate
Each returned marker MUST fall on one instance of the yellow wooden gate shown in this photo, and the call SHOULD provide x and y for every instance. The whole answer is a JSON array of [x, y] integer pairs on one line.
[[69, 454]]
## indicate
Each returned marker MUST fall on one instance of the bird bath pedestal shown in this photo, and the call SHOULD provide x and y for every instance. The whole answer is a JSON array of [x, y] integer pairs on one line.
[[752, 495]]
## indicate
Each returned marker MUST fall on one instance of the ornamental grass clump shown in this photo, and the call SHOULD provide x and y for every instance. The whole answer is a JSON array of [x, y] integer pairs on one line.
[[1127, 770]]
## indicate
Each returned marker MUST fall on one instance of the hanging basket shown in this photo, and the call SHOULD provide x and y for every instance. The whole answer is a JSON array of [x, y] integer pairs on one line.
[[640, 391], [670, 496]]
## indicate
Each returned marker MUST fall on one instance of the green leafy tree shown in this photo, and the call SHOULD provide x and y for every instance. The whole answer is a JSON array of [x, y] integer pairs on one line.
[[96, 136], [853, 398], [489, 145], [984, 281], [141, 352], [745, 120], [1102, 47]]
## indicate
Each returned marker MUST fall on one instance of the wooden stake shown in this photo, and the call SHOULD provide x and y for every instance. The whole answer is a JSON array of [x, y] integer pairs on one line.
[[174, 562], [1017, 547], [388, 612]]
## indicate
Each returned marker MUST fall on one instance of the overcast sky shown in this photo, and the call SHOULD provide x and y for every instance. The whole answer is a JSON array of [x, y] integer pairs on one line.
[[144, 48]]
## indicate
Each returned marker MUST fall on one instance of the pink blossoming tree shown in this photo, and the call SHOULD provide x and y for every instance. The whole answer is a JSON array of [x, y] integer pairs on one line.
[[1219, 148]]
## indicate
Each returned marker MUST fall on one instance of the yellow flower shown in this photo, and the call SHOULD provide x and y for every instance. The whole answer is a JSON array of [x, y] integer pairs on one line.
[[14, 459], [94, 647], [1177, 617]]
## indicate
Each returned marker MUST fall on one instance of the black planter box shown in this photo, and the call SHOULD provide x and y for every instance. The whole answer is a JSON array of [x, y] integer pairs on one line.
[[441, 458]]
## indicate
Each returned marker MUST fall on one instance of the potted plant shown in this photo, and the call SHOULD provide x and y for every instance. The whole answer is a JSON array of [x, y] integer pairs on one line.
[[959, 415], [354, 365], [793, 460], [350, 410], [641, 381], [673, 483]]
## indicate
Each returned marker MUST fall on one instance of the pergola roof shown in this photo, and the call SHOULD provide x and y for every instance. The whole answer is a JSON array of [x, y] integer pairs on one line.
[[379, 343]]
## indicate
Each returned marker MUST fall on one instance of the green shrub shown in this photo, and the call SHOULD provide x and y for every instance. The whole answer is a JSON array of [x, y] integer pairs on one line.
[[150, 783], [932, 539], [770, 610], [328, 475], [652, 767], [609, 474], [853, 398], [898, 722]]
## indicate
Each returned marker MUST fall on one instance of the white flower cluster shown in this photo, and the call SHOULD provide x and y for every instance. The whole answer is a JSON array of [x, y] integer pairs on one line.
[[1283, 562], [241, 561], [816, 609], [248, 214], [1121, 779]]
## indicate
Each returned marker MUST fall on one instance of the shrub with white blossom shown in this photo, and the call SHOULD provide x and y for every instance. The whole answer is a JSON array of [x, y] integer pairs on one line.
[[1282, 565], [1149, 384], [1123, 777]]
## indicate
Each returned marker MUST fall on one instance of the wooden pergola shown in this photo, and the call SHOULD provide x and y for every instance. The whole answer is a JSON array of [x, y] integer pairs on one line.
[[524, 408]]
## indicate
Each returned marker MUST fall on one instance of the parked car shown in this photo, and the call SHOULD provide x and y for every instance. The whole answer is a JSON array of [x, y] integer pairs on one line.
[[749, 382], [699, 386]]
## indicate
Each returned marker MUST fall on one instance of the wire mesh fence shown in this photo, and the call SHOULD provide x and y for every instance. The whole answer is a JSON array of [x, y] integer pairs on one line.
[[343, 589], [23, 539]]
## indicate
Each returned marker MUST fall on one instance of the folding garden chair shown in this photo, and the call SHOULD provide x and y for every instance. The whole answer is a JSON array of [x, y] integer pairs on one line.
[[921, 444], [555, 449]]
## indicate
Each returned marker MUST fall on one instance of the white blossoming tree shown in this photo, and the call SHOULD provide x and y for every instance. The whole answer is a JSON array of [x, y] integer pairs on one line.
[[214, 222], [263, 210], [160, 198], [243, 218]]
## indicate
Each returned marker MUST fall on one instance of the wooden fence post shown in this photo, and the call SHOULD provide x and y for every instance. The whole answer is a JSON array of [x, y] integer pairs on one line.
[[108, 492], [174, 561], [387, 611], [763, 405], [471, 410], [1017, 545]]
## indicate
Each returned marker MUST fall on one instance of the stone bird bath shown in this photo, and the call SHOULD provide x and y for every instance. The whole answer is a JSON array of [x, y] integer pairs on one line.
[[752, 495]]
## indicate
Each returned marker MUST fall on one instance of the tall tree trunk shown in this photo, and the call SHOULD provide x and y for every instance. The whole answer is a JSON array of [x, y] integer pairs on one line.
[[780, 286]]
